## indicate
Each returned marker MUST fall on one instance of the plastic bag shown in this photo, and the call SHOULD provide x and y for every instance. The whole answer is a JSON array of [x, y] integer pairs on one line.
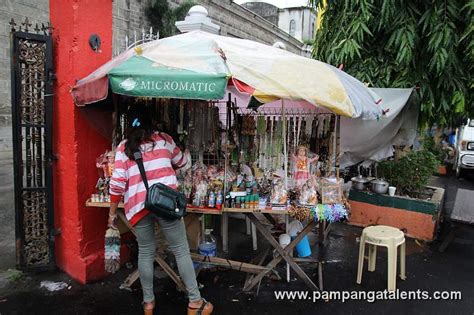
[[294, 228]]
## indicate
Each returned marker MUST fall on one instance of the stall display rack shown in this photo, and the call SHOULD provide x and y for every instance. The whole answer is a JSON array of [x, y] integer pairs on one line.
[[256, 271]]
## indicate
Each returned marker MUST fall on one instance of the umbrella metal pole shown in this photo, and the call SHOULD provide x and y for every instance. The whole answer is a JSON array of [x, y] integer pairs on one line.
[[225, 216], [285, 153], [285, 166], [338, 144], [334, 147]]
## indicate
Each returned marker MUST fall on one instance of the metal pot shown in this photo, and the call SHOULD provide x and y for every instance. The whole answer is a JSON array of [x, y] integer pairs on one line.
[[379, 186], [359, 182]]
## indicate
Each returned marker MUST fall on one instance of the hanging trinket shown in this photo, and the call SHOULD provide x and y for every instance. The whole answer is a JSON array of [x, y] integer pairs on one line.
[[308, 127], [299, 131]]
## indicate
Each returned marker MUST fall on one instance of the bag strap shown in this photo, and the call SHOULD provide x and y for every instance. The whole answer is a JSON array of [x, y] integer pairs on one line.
[[139, 160]]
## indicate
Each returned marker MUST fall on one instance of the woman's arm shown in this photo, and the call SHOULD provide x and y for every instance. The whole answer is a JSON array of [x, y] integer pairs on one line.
[[113, 215], [178, 158], [119, 179]]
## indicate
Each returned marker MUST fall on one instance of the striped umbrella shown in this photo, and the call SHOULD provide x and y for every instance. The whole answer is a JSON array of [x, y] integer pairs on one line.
[[199, 65]]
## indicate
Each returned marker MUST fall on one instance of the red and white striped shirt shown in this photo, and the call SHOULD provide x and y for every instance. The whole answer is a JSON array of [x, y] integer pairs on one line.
[[159, 159]]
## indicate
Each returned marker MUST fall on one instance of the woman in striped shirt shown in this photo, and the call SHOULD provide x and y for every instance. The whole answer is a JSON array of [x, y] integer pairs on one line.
[[161, 156]]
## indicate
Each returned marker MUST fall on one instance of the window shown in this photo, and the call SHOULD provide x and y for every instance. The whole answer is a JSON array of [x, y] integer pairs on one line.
[[292, 27]]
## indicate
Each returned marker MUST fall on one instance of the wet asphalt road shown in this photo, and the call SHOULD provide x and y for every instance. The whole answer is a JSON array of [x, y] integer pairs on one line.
[[427, 269]]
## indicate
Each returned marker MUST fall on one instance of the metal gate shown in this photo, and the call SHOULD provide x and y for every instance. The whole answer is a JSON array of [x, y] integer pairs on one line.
[[32, 101]]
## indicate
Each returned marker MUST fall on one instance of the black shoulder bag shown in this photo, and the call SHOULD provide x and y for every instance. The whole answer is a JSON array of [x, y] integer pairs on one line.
[[161, 200]]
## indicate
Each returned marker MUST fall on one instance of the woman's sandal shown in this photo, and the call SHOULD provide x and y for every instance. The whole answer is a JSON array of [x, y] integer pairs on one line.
[[148, 308], [205, 309]]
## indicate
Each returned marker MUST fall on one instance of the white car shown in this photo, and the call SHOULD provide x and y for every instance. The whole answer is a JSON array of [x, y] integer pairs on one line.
[[465, 148]]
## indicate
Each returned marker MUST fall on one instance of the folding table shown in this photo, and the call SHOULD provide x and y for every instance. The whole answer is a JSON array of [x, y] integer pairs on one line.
[[256, 271]]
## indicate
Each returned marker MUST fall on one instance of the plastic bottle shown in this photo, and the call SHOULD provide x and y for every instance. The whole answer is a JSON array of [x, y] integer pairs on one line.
[[219, 199], [237, 202], [208, 246], [212, 199]]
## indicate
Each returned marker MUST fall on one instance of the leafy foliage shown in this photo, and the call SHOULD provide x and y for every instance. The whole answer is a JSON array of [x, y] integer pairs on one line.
[[411, 173], [405, 43], [429, 144], [162, 17]]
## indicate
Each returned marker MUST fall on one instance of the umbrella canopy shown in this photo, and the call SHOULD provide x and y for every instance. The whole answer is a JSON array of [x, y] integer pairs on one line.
[[199, 65]]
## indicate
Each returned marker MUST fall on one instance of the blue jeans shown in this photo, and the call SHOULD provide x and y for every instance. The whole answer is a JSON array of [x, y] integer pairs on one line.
[[175, 234]]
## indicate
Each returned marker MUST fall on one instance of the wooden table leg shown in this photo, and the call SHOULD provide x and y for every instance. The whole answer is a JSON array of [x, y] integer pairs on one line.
[[320, 232], [287, 223], [177, 280], [284, 253], [269, 218], [227, 263], [323, 231], [320, 276], [327, 230], [275, 261], [258, 260], [225, 231], [256, 279], [130, 280]]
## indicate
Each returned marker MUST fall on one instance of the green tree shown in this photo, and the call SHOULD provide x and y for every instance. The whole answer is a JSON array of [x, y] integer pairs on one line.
[[405, 43], [162, 17]]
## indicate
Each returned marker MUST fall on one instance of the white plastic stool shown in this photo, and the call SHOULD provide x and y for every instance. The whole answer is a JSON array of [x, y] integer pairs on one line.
[[389, 237]]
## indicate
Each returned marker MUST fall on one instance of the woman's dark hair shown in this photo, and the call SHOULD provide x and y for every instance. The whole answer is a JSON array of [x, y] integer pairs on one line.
[[140, 129]]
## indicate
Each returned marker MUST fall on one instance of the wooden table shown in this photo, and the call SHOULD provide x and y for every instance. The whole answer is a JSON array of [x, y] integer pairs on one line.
[[256, 271]]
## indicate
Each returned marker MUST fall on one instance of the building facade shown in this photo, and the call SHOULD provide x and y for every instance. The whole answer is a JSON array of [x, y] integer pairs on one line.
[[237, 21], [76, 141], [294, 17]]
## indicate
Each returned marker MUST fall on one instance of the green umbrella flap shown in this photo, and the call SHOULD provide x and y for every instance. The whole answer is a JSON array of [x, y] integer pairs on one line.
[[139, 76]]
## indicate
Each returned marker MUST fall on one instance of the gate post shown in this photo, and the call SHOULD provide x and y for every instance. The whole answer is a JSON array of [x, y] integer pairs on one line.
[[80, 245], [31, 77]]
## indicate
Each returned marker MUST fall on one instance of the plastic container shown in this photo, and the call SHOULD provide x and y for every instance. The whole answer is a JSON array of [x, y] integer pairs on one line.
[[219, 199], [284, 240], [302, 248], [208, 246], [212, 200]]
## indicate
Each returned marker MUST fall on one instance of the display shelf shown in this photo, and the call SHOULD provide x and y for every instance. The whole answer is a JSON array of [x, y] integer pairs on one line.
[[189, 209], [254, 210], [90, 203], [203, 210]]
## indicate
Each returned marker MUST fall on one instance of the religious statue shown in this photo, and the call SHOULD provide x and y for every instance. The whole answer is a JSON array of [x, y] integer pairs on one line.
[[279, 193], [302, 163], [105, 164]]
